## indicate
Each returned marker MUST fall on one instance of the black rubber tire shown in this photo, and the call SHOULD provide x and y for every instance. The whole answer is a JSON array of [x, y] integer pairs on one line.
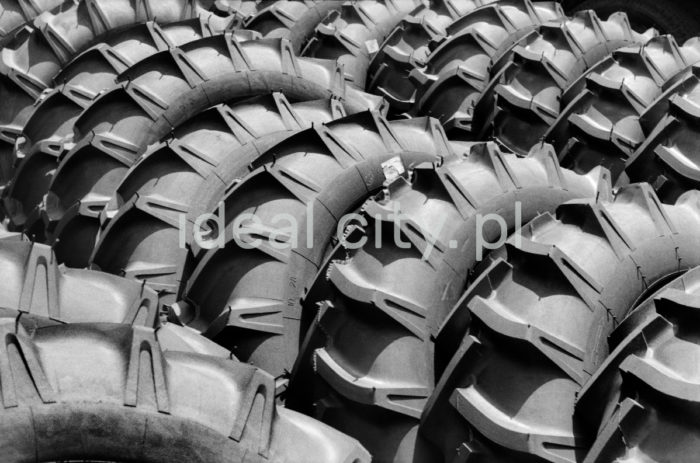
[[36, 54], [115, 392], [532, 89], [527, 335], [5, 234], [294, 20], [407, 47], [157, 95], [249, 300], [668, 157], [16, 13], [370, 348], [456, 85], [48, 130], [675, 17], [352, 32], [242, 9], [643, 399], [33, 282], [601, 125], [37, 292], [140, 226]]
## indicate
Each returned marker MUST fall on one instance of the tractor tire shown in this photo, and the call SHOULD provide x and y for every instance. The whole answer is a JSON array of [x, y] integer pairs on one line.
[[249, 300], [141, 224], [38, 292], [678, 18], [294, 20], [35, 55], [370, 350], [408, 46], [240, 9], [34, 283], [16, 13], [528, 334], [102, 392], [668, 157], [455, 86], [601, 125], [643, 399], [351, 33], [157, 95], [48, 131], [532, 88]]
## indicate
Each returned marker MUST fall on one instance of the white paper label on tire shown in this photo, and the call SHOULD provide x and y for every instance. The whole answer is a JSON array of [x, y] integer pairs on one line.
[[372, 46], [393, 168]]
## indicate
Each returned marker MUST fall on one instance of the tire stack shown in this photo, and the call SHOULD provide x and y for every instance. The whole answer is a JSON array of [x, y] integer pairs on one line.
[[396, 231]]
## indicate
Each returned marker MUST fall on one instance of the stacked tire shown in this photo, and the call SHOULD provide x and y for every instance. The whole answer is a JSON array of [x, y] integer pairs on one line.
[[380, 230]]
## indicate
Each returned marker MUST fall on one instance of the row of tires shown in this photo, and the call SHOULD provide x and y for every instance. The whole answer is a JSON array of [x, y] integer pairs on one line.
[[157, 309]]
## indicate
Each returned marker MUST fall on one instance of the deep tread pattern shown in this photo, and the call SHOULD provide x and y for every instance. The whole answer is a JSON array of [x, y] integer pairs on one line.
[[5, 234], [243, 9], [393, 297], [601, 125], [294, 20], [456, 85], [249, 299], [36, 291], [158, 94], [351, 33], [668, 157], [407, 47], [34, 283], [538, 320], [49, 129], [36, 55], [124, 395], [531, 91], [16, 13], [141, 224], [643, 400]]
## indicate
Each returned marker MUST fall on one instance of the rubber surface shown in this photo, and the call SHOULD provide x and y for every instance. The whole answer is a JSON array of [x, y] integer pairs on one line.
[[678, 18], [143, 233], [38, 292], [456, 84], [407, 47], [115, 392], [370, 347], [668, 157], [156, 96], [278, 224], [526, 336], [351, 33], [294, 20], [34, 283], [601, 125], [16, 13], [36, 54], [48, 132], [642, 401], [532, 89]]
